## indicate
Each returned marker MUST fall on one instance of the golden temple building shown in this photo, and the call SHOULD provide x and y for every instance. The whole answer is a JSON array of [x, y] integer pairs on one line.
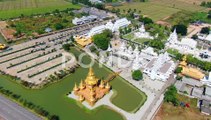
[[83, 41], [91, 89], [189, 71]]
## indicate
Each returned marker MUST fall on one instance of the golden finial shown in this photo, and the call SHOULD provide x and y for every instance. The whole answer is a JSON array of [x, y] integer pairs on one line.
[[82, 85], [102, 84], [108, 86], [75, 88]]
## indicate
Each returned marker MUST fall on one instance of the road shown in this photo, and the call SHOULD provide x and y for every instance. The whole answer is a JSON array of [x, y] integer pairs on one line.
[[12, 111], [168, 83]]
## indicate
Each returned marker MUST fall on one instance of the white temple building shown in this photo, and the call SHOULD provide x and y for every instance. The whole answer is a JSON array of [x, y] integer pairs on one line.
[[109, 25], [84, 19], [207, 80], [143, 34], [186, 45], [125, 51], [160, 68]]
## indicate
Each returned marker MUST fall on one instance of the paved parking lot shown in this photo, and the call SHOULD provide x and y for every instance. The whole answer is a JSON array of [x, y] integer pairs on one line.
[[24, 61]]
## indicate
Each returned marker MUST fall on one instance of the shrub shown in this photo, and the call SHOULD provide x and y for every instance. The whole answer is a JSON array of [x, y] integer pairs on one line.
[[137, 75]]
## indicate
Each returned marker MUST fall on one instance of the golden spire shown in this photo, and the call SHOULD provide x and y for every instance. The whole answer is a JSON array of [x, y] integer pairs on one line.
[[91, 80], [75, 88], [81, 98], [102, 84], [108, 86], [82, 85]]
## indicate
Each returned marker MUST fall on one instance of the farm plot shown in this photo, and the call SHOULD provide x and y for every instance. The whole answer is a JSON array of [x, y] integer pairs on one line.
[[14, 8]]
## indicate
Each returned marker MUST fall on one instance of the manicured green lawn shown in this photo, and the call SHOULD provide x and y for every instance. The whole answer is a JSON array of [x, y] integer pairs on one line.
[[11, 8], [142, 40], [53, 98]]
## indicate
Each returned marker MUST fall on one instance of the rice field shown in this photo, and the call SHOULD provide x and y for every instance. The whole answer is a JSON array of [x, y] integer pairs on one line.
[[14, 8]]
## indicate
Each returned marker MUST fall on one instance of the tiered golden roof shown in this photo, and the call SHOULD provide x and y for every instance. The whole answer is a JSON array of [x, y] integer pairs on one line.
[[191, 72], [91, 80], [83, 41], [90, 89]]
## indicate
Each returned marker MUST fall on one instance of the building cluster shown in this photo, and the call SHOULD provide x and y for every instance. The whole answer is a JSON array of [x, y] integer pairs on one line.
[[84, 20], [101, 14], [187, 46], [157, 67], [200, 89], [91, 89]]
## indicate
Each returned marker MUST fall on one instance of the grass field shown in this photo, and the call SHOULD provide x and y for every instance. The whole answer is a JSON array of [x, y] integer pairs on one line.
[[161, 9], [170, 112], [156, 12], [53, 98], [14, 8]]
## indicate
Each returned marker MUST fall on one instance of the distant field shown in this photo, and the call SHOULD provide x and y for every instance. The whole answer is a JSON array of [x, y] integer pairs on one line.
[[156, 12], [161, 9], [189, 5], [14, 8]]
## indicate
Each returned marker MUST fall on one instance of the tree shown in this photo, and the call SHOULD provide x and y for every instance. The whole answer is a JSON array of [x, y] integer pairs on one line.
[[101, 41], [205, 30], [178, 70], [58, 26], [181, 29], [170, 95], [137, 75], [146, 20], [66, 47], [157, 44]]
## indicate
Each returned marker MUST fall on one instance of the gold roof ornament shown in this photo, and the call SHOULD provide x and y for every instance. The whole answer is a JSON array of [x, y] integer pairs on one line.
[[108, 86], [91, 79], [101, 84], [82, 85], [75, 88]]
